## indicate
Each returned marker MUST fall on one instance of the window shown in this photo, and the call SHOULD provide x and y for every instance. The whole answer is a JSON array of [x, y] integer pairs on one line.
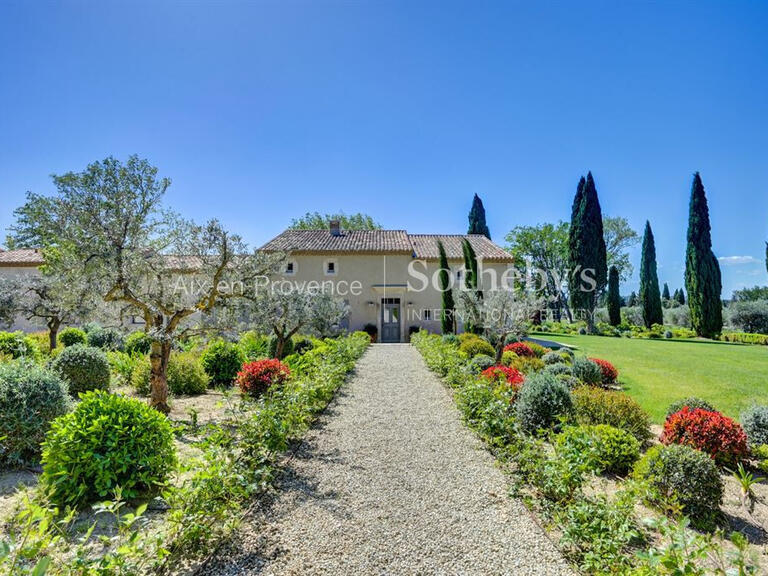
[[427, 314], [290, 268], [330, 267]]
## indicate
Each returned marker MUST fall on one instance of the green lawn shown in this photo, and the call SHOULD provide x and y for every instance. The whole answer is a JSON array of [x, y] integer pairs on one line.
[[657, 372]]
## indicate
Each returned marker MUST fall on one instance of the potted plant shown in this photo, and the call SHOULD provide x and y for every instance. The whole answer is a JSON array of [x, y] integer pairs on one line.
[[372, 331]]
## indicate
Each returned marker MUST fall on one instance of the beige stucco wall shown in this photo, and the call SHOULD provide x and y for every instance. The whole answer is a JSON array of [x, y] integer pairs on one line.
[[21, 323], [363, 280]]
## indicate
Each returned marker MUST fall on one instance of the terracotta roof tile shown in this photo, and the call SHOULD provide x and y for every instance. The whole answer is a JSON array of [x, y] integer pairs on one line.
[[425, 246], [24, 257], [349, 241]]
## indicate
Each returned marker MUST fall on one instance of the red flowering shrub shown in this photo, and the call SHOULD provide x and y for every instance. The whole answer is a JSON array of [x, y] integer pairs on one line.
[[512, 376], [608, 370], [255, 378], [711, 432], [521, 349]]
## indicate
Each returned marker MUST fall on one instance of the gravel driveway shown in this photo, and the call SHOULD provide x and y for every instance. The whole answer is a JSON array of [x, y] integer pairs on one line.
[[391, 482]]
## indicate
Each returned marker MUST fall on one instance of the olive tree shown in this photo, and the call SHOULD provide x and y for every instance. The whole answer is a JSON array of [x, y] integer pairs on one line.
[[110, 219]]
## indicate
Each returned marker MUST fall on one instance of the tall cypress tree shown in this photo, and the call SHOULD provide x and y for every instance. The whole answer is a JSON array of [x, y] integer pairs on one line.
[[632, 301], [444, 280], [586, 251], [702, 272], [477, 223], [665, 292], [681, 297], [471, 279], [614, 298], [650, 299]]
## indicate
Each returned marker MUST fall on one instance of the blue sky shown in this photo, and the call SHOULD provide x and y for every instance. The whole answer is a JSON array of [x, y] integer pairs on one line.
[[260, 112]]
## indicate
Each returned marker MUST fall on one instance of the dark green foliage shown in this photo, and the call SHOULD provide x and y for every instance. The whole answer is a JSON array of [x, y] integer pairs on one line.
[[301, 344], [754, 420], [106, 339], [665, 292], [541, 402], [692, 403], [681, 297], [614, 298], [650, 299], [138, 342], [586, 251], [632, 300], [685, 476], [30, 398], [448, 306], [108, 441], [83, 368], [750, 294], [477, 223], [702, 271], [72, 336], [222, 361], [471, 280], [601, 448]]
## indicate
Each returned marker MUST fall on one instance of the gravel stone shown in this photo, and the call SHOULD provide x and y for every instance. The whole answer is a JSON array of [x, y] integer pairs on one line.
[[391, 482]]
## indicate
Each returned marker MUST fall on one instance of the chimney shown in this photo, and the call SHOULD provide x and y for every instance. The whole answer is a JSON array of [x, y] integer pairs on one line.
[[335, 226]]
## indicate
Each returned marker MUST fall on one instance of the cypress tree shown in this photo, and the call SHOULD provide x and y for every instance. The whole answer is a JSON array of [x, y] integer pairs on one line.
[[665, 293], [649, 281], [477, 223], [632, 299], [586, 251], [702, 272], [444, 280], [614, 299], [471, 279], [681, 297]]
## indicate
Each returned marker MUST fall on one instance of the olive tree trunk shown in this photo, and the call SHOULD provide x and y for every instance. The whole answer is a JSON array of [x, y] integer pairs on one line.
[[159, 354]]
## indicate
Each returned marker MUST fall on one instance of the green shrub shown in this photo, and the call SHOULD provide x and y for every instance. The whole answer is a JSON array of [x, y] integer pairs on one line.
[[254, 345], [601, 447], [138, 343], [553, 358], [556, 369], [184, 375], [692, 403], [109, 441], [106, 339], [684, 476], [287, 347], [526, 364], [542, 400], [755, 422], [480, 363], [598, 406], [30, 398], [71, 336], [587, 371], [569, 380], [41, 341], [122, 364], [471, 347], [451, 339], [17, 345], [83, 368], [538, 349], [222, 361]]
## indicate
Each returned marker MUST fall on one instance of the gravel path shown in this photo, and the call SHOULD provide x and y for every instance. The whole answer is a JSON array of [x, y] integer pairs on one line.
[[391, 482]]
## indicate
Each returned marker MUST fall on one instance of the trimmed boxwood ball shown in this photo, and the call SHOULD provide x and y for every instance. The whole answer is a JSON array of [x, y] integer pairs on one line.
[[479, 363], [587, 371], [471, 347], [30, 398], [541, 401], [106, 339], [755, 422], [222, 361], [557, 369], [106, 442], [602, 448], [72, 336], [83, 368], [687, 476], [692, 403], [138, 343], [597, 406]]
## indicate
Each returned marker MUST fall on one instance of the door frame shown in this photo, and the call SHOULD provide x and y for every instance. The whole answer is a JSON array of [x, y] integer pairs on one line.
[[392, 303]]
